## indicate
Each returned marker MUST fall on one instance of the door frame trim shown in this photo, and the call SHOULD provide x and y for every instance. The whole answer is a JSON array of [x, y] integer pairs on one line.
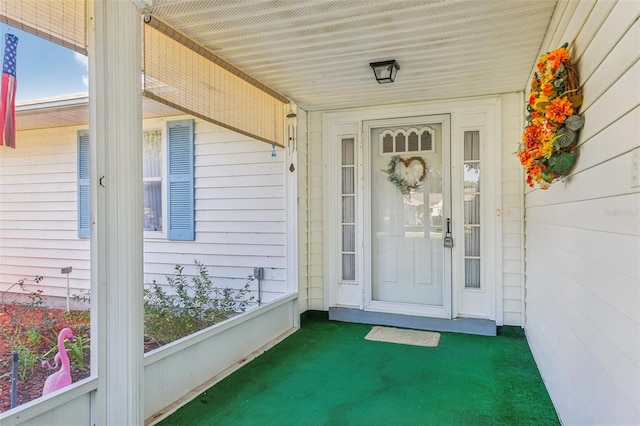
[[349, 121]]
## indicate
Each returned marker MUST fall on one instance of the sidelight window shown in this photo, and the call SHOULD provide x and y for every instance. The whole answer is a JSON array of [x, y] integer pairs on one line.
[[472, 209]]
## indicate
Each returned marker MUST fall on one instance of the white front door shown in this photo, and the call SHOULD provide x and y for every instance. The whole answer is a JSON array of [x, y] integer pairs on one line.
[[409, 204]]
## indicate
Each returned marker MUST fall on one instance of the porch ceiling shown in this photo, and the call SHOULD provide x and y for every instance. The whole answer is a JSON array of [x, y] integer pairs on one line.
[[317, 52]]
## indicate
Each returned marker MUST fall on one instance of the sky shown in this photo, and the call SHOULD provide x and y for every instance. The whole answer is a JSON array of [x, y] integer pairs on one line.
[[45, 69]]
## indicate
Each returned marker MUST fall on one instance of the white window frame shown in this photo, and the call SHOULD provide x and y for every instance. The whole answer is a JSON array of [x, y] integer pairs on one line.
[[151, 127]]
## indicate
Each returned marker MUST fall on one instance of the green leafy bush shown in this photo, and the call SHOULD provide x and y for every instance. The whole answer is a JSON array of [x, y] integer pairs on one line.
[[186, 307]]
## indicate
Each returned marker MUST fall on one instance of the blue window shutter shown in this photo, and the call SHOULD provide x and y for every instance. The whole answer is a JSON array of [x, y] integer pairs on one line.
[[84, 197], [180, 199]]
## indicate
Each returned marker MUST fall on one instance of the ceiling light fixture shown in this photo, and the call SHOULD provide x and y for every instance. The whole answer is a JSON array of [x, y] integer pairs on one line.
[[385, 71]]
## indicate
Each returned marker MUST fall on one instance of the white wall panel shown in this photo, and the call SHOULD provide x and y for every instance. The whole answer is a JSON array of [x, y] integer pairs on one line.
[[614, 103], [511, 210], [583, 234], [303, 210], [612, 141], [621, 16], [581, 29], [316, 280], [622, 56]]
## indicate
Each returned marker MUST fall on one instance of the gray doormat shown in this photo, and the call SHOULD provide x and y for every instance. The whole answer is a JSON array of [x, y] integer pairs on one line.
[[403, 336]]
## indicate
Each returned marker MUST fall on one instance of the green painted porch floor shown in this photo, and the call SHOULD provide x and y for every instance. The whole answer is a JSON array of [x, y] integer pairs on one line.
[[328, 374]]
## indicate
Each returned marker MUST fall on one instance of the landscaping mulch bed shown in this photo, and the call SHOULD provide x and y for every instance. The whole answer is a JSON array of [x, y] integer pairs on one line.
[[36, 329]]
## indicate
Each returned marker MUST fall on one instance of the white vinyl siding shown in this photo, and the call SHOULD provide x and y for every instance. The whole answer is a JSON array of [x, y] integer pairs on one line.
[[583, 234], [317, 298], [38, 212], [512, 212], [240, 212]]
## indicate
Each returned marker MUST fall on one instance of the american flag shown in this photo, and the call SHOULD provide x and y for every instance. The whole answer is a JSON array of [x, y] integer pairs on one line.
[[8, 92]]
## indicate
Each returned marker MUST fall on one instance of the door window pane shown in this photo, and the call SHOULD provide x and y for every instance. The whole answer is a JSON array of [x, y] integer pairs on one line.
[[472, 240], [406, 140], [425, 141], [472, 193], [472, 273], [349, 267], [387, 143], [472, 146], [348, 238], [347, 180], [407, 252], [348, 209], [347, 152], [413, 141], [400, 143]]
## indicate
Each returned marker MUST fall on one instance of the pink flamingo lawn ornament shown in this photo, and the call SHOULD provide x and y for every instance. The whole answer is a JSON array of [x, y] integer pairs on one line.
[[62, 377]]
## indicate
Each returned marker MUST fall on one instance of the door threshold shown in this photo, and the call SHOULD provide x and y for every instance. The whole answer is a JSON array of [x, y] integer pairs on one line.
[[482, 327]]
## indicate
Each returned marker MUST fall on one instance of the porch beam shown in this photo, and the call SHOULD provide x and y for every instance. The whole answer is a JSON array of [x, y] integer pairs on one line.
[[114, 36]]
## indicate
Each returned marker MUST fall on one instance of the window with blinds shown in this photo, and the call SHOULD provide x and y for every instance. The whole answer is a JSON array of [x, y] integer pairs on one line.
[[173, 201], [472, 277], [348, 219], [152, 173]]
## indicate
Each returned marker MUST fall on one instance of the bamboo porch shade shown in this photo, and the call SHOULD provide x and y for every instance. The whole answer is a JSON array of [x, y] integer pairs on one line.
[[177, 71], [184, 75], [60, 21]]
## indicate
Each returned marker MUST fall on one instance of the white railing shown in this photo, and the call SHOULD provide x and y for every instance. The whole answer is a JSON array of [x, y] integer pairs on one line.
[[177, 372]]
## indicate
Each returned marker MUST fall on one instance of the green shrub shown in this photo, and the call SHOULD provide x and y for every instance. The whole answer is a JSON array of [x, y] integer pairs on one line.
[[189, 307]]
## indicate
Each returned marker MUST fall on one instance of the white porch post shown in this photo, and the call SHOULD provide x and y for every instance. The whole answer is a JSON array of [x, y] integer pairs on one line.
[[116, 209], [291, 200]]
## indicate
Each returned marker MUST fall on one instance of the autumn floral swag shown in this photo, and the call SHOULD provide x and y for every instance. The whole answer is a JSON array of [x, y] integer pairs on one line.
[[551, 132]]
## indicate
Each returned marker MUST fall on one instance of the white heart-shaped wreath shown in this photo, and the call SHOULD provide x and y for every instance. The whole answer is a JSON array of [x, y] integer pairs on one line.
[[407, 178]]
